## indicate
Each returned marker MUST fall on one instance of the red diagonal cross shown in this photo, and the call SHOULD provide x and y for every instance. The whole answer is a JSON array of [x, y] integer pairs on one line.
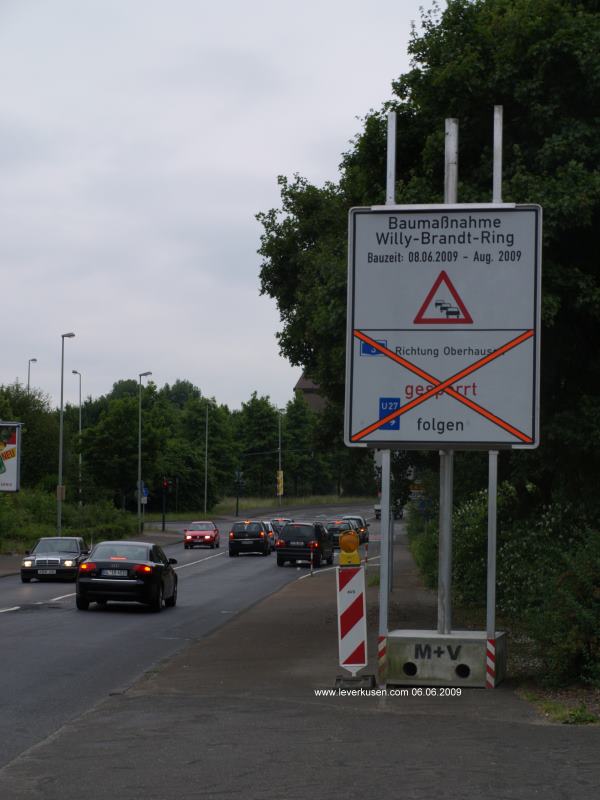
[[444, 386]]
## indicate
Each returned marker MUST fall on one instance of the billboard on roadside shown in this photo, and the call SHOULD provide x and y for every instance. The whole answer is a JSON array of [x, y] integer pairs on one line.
[[10, 456]]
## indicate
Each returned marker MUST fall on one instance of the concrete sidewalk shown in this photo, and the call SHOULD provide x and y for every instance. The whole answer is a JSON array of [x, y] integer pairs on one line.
[[236, 715]]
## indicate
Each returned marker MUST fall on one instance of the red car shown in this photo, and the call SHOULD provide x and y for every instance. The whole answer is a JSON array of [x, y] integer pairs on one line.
[[202, 533]]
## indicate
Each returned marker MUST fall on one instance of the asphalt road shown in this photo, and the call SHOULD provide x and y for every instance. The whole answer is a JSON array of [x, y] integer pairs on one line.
[[237, 715], [58, 662]]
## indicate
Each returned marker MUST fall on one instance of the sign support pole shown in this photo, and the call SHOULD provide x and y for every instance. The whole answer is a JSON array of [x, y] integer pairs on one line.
[[491, 552], [391, 550], [447, 456], [384, 547], [493, 456], [386, 455]]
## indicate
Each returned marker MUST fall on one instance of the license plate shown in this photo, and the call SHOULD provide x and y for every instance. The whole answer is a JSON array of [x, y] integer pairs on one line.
[[115, 573], [297, 544], [46, 572]]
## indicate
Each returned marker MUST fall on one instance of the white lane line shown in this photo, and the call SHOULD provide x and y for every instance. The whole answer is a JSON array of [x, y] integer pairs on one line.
[[316, 572], [191, 563], [14, 608], [62, 597], [329, 569]]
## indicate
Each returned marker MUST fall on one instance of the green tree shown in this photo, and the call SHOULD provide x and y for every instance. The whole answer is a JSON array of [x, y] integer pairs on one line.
[[301, 474], [539, 59], [256, 431], [110, 449]]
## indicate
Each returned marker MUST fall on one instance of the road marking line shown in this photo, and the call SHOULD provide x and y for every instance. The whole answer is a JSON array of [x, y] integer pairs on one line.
[[14, 608], [62, 597], [328, 569], [191, 563]]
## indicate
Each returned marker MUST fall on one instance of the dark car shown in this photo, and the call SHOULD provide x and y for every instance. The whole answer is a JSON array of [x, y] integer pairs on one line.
[[130, 572], [54, 558], [204, 533], [361, 526], [270, 531], [249, 536], [279, 524], [304, 541], [336, 527]]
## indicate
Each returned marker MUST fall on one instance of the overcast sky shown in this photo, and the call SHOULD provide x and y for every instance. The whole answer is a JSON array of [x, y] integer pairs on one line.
[[138, 139]]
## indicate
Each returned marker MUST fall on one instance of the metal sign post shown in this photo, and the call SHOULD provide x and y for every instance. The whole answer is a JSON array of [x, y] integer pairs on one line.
[[386, 456]]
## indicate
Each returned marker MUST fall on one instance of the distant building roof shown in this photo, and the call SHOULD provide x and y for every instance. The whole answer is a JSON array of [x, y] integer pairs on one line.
[[310, 391]]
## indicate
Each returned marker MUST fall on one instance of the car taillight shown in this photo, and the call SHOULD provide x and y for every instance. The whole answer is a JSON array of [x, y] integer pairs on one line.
[[187, 536], [87, 566], [313, 545], [262, 533], [231, 534], [141, 568], [279, 543], [207, 536]]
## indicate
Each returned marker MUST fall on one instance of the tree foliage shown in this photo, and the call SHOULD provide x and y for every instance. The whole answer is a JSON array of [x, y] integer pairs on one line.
[[539, 59]]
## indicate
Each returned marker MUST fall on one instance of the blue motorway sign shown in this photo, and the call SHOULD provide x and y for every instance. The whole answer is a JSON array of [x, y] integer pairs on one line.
[[386, 406], [369, 350]]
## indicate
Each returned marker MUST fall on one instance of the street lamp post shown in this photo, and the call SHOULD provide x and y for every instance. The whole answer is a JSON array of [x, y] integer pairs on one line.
[[76, 372], [60, 489], [279, 454], [29, 363], [206, 460], [139, 480]]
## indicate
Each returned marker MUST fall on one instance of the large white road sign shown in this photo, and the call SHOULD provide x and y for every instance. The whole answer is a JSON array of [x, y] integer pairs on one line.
[[443, 326]]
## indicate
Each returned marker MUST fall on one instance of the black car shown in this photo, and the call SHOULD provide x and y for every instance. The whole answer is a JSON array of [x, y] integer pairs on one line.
[[249, 536], [128, 572], [361, 526], [279, 524], [54, 558], [338, 526], [304, 541]]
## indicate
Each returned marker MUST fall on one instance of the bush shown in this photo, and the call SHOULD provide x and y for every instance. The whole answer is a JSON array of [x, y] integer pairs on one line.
[[423, 540], [30, 514], [566, 625], [529, 554]]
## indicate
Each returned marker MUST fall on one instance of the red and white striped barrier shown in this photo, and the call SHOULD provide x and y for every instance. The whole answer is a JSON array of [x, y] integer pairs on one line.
[[352, 618], [490, 664]]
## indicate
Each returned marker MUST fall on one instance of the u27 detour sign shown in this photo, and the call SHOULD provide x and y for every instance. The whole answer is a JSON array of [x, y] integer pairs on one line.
[[443, 344]]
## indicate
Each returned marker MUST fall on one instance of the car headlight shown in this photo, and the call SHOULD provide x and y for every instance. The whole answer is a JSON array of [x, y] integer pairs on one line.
[[28, 563], [69, 562]]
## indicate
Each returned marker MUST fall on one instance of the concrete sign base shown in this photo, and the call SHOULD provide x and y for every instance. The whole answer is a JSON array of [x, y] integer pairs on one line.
[[460, 658]]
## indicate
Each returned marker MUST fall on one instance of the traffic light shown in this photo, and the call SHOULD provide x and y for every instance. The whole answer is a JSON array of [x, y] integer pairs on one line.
[[279, 482]]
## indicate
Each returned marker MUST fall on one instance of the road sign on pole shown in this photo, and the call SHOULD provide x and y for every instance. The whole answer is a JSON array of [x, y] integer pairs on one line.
[[448, 297]]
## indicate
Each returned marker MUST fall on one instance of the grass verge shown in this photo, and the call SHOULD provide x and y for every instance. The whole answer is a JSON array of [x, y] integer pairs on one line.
[[226, 507], [568, 709]]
